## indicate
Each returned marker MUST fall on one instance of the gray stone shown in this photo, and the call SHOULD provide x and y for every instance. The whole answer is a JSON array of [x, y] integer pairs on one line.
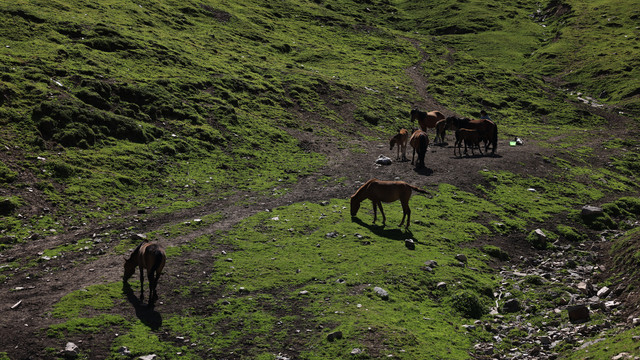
[[410, 244], [461, 258], [603, 292], [383, 160], [431, 263], [70, 351], [384, 295]]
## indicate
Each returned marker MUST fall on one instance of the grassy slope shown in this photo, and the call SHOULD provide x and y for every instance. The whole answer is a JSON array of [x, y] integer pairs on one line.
[[197, 94]]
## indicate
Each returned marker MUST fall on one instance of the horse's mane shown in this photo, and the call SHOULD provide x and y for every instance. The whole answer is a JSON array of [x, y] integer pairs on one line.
[[362, 188], [137, 249]]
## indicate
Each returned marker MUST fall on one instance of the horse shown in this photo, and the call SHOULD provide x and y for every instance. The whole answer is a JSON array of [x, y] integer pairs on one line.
[[401, 139], [487, 130], [419, 142], [441, 130], [470, 137], [426, 119], [379, 191], [149, 256]]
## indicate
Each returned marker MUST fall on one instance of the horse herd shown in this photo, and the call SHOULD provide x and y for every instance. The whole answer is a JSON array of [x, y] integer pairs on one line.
[[470, 132], [151, 257]]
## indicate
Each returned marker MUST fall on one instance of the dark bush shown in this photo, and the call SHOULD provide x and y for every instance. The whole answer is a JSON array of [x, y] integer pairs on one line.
[[468, 303]]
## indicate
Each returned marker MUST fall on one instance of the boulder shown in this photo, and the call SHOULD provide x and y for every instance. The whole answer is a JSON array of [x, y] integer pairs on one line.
[[578, 313], [511, 306], [383, 160]]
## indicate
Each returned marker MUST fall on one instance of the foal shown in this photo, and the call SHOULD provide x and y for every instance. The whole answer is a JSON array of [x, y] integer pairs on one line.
[[400, 139], [149, 256]]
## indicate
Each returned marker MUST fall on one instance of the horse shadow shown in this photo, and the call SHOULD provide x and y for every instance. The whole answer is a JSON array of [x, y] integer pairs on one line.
[[398, 234], [423, 171], [145, 313]]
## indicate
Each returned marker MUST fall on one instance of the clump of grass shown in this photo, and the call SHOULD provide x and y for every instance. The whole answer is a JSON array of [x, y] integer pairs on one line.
[[541, 239], [468, 303], [495, 252], [570, 233]]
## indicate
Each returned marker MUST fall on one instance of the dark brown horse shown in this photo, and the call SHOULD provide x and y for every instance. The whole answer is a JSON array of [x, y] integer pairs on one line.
[[470, 137], [379, 191], [400, 139], [419, 142], [149, 256], [487, 130], [426, 120]]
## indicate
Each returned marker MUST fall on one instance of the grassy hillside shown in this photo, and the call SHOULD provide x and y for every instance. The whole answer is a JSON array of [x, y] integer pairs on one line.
[[116, 110]]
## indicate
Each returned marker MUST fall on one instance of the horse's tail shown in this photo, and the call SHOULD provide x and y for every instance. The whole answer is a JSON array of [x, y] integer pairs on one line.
[[424, 142], [418, 189], [495, 138]]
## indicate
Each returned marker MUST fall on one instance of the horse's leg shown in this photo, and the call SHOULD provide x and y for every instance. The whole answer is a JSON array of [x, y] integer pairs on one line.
[[413, 156], [375, 211], [384, 218], [141, 283]]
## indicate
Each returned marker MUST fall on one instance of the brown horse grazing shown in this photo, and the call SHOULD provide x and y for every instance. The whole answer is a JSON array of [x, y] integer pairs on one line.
[[426, 119], [487, 129], [384, 191], [401, 139], [470, 137], [149, 256], [419, 142]]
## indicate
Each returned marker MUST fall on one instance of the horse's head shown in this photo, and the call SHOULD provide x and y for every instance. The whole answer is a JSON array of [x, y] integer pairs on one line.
[[355, 206], [129, 267], [392, 142]]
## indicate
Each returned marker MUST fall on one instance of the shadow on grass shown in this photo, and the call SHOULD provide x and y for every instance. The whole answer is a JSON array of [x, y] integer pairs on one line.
[[399, 234], [145, 313]]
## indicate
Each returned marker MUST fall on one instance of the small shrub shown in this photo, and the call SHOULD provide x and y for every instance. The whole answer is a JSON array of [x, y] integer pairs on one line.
[[569, 233], [539, 241], [495, 251], [60, 169], [8, 205], [469, 304], [6, 175]]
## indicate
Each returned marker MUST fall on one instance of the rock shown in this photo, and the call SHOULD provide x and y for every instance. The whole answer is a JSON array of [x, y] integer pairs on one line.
[[148, 357], [603, 292], [578, 313], [511, 306], [545, 340], [384, 295], [356, 351], [461, 258], [70, 351], [623, 356], [383, 160], [431, 263], [584, 288], [336, 335], [590, 212], [441, 285], [139, 237], [410, 244], [124, 351]]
